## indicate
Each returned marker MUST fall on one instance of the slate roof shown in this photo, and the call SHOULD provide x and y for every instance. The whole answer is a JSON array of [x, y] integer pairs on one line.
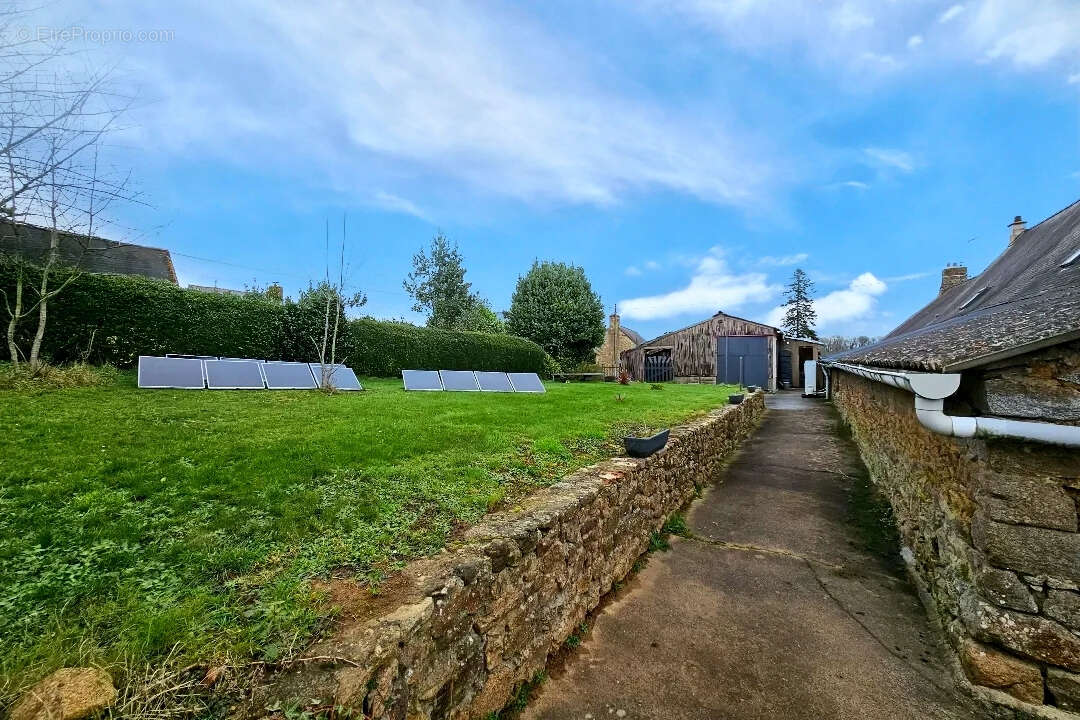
[[1023, 301], [94, 255], [636, 337]]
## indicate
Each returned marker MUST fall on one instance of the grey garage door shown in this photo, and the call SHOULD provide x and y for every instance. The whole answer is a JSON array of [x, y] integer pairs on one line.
[[743, 359]]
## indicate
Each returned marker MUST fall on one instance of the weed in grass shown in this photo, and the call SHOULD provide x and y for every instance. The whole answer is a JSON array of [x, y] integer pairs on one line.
[[656, 386], [676, 525], [54, 377], [577, 637], [659, 541], [163, 528]]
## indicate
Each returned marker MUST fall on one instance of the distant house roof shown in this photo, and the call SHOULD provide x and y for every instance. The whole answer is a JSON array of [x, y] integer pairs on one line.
[[1028, 298], [216, 289], [632, 335], [93, 255], [793, 338]]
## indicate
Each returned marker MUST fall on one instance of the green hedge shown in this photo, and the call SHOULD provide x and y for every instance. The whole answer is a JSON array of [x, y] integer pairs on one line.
[[116, 318]]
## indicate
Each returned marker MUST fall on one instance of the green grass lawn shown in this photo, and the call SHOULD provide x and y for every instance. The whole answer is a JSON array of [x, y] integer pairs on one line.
[[135, 523]]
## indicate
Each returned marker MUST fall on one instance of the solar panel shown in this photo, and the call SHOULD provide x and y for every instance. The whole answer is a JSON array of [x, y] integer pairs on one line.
[[526, 382], [192, 357], [421, 380], [459, 380], [236, 359], [234, 375], [288, 376], [166, 372], [340, 377], [494, 382]]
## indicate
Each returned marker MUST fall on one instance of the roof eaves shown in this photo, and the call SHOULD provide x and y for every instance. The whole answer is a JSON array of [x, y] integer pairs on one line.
[[1012, 352]]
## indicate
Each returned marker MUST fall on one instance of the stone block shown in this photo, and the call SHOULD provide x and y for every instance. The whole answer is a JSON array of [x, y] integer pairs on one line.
[[1032, 636], [1035, 460], [1031, 550], [1026, 500], [1004, 588], [1064, 688], [995, 669], [1063, 606]]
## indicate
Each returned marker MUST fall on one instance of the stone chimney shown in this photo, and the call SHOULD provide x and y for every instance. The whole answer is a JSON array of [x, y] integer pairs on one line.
[[613, 333], [954, 274], [1016, 227]]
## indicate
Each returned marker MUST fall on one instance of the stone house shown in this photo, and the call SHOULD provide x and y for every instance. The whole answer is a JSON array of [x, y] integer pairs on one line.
[[91, 254], [617, 338], [968, 419]]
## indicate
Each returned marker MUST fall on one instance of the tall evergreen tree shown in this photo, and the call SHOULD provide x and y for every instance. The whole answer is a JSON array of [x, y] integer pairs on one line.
[[437, 284], [799, 314]]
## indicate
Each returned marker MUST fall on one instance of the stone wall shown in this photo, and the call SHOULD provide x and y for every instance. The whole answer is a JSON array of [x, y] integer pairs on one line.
[[458, 632], [991, 527]]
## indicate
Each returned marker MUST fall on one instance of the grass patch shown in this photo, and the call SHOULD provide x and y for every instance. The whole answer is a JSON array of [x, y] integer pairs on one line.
[[139, 525], [55, 377], [577, 637], [520, 700], [676, 525]]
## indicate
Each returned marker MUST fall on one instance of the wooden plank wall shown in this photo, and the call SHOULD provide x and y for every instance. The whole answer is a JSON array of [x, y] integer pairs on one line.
[[694, 348]]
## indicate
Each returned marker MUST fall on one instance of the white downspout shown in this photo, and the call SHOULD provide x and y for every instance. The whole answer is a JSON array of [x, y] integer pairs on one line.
[[930, 391]]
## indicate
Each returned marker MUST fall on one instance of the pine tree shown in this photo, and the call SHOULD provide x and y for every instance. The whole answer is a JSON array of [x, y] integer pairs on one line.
[[799, 316], [437, 284]]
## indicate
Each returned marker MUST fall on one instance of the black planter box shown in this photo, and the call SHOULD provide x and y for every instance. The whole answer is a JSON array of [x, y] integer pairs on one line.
[[735, 399], [644, 447]]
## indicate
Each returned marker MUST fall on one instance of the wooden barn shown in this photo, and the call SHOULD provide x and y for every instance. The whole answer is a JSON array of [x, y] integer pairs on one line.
[[724, 349]]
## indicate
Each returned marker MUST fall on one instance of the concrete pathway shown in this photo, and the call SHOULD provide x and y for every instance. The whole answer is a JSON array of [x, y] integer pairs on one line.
[[771, 610]]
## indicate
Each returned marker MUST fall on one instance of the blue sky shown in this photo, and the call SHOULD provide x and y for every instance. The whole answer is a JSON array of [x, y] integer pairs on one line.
[[688, 154]]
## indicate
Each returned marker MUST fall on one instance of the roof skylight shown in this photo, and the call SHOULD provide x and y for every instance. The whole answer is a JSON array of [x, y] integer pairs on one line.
[[974, 296]]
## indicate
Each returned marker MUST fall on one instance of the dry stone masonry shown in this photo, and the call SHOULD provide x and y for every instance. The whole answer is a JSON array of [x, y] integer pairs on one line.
[[471, 624], [991, 526]]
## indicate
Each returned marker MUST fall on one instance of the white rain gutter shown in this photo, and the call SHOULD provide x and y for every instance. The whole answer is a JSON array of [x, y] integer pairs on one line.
[[931, 389]]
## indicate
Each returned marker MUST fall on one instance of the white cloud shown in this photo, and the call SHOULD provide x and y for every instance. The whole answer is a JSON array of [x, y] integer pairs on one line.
[[950, 14], [1030, 35], [652, 265], [905, 278], [848, 17], [783, 259], [854, 303], [890, 158], [713, 287], [1074, 78], [394, 203], [479, 97], [853, 184], [633, 271]]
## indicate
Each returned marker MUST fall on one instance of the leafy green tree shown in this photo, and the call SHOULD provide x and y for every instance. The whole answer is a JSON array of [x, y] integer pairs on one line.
[[554, 306], [478, 317], [799, 314], [437, 284]]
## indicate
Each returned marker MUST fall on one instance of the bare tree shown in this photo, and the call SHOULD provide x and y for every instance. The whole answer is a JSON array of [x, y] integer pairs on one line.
[[52, 126], [334, 312]]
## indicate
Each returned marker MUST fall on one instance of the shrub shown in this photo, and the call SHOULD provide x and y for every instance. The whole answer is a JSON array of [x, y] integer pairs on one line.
[[112, 319], [52, 377], [555, 306]]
